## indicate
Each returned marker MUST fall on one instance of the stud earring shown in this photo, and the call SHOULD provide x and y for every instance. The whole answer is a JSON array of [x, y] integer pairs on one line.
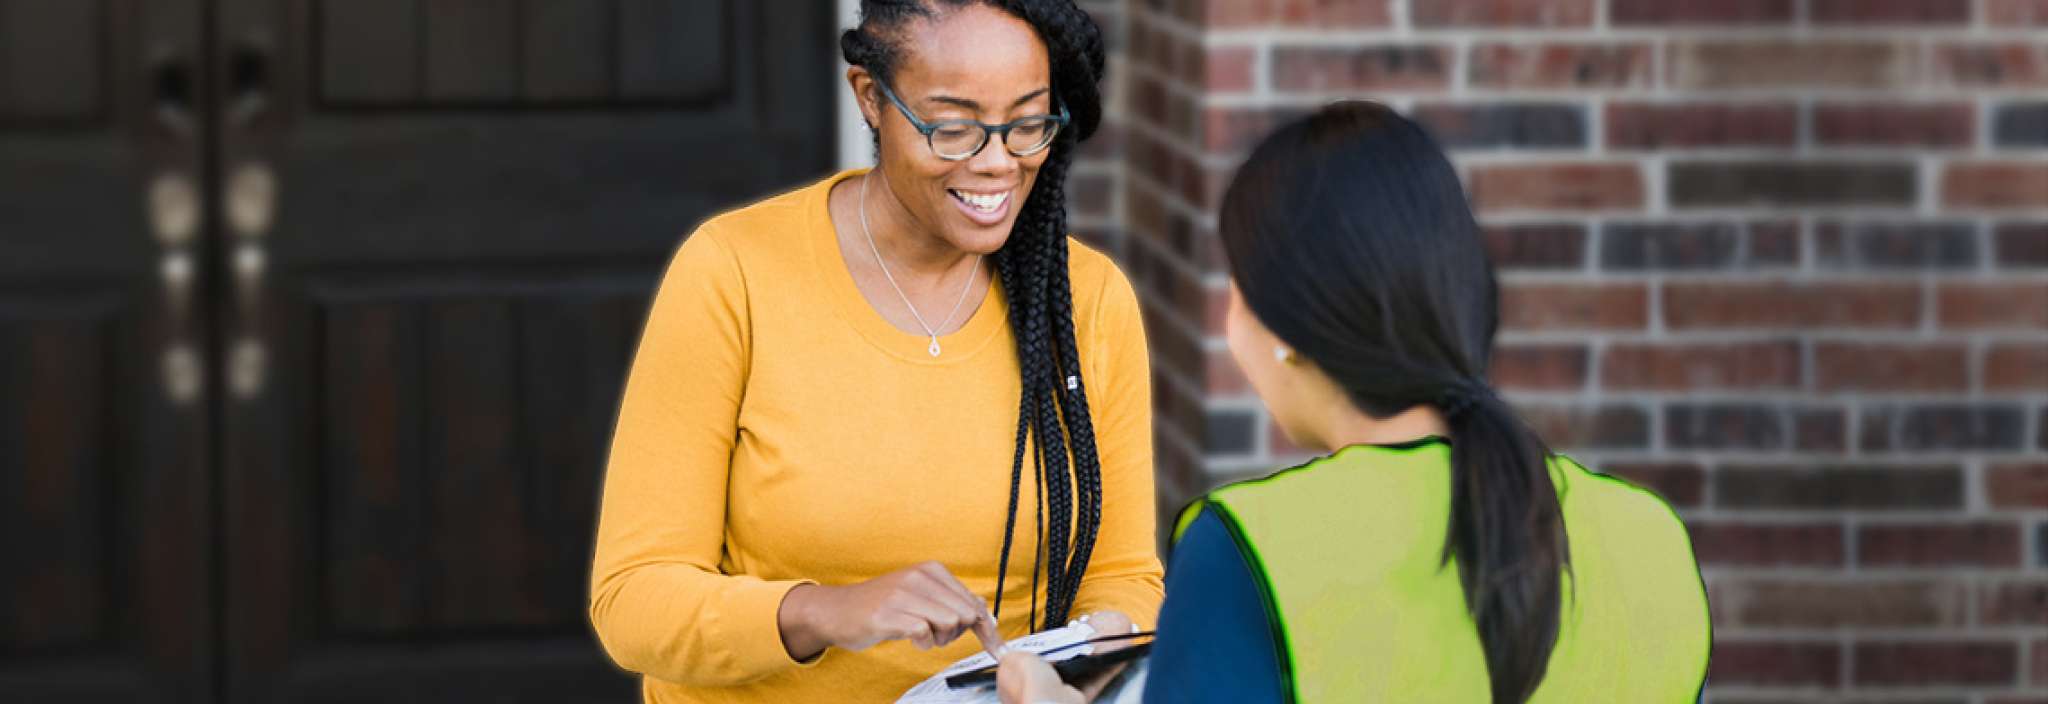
[[1283, 355]]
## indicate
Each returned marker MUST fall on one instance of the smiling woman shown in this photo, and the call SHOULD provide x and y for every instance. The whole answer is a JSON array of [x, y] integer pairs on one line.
[[818, 481]]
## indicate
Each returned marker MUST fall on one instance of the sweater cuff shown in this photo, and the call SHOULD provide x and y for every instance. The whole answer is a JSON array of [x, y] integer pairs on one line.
[[762, 601]]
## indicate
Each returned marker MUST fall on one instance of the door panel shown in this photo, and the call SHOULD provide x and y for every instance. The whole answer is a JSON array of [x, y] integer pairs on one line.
[[425, 334], [105, 497]]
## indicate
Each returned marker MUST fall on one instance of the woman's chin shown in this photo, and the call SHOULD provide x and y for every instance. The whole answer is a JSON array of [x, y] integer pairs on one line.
[[981, 240]]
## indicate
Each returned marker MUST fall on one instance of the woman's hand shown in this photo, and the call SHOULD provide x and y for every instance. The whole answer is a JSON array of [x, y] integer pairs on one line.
[[1025, 678], [1106, 623], [923, 604]]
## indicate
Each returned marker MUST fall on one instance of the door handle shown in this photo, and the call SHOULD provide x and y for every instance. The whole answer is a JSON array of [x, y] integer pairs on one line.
[[248, 81], [172, 93]]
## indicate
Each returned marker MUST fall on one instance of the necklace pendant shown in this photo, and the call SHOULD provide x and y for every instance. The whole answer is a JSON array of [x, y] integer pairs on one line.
[[934, 349]]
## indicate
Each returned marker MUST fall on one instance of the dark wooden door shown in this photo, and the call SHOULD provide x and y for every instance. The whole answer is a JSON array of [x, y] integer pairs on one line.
[[442, 221], [313, 316], [106, 557]]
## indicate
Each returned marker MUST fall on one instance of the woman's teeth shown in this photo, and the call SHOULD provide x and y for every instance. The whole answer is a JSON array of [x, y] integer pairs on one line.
[[983, 203]]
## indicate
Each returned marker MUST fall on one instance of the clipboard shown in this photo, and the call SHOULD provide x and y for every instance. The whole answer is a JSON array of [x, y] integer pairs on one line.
[[1074, 670]]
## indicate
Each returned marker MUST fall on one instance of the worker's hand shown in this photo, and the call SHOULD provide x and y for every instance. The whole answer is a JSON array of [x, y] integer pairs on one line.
[[1025, 678]]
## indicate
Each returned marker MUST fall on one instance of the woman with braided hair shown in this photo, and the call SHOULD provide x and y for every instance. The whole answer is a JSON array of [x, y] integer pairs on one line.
[[894, 407], [1438, 552]]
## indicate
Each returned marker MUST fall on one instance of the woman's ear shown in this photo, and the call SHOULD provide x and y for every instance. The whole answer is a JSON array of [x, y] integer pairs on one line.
[[862, 83]]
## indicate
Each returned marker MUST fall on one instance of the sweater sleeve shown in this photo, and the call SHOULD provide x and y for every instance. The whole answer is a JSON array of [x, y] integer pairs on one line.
[[1124, 573], [659, 603]]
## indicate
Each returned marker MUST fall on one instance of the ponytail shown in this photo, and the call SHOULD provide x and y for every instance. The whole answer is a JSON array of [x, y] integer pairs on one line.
[[1349, 236], [1507, 536]]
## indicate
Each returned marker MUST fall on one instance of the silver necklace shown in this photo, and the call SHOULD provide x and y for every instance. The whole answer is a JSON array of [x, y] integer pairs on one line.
[[928, 330]]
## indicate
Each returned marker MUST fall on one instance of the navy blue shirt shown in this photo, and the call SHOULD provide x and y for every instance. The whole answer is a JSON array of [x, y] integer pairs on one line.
[[1215, 641]]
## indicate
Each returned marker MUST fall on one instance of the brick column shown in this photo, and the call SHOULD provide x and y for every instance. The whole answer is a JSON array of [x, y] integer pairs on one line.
[[1783, 261]]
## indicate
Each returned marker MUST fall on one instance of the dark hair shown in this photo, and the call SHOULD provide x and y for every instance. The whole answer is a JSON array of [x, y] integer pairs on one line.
[[1032, 265], [1350, 238]]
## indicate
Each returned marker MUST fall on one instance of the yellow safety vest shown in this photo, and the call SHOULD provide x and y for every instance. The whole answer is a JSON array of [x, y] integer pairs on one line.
[[1348, 552]]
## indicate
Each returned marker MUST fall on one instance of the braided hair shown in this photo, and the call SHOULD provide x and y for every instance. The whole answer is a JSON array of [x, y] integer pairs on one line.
[[1052, 410]]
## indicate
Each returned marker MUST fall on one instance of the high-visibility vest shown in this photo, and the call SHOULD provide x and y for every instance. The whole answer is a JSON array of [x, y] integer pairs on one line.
[[1348, 553]]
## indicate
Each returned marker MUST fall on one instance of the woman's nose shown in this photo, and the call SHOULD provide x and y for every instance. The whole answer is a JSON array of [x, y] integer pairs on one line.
[[994, 158]]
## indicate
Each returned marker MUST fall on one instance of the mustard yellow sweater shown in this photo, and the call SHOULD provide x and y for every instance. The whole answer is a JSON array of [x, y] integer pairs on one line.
[[775, 429]]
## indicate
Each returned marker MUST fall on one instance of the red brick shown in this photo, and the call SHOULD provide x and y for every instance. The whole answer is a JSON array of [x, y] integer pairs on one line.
[[1568, 428], [1841, 366], [2014, 603], [1769, 544], [1778, 183], [1153, 47], [2016, 13], [2039, 668], [1372, 68], [1173, 407], [1106, 144], [1681, 484], [1228, 69], [1995, 185], [1532, 125], [2004, 65], [1241, 13], [1222, 376], [1235, 130], [1557, 65], [1668, 125], [1979, 544], [1430, 14], [1942, 425], [2017, 485], [1774, 243], [2020, 245], [1791, 306], [1921, 663], [1537, 246], [1540, 367], [1089, 194], [1896, 244], [1791, 603], [1791, 63], [1895, 124], [2012, 366], [1776, 664], [1215, 309], [1836, 487], [1890, 12], [1227, 14], [1993, 305], [1820, 430], [1625, 13], [1563, 186], [1749, 365], [1551, 307]]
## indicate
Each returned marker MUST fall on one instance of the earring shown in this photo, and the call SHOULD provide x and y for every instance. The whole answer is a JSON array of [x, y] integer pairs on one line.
[[1283, 355]]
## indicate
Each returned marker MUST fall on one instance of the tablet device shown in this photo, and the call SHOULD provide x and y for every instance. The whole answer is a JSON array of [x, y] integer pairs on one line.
[[1074, 671]]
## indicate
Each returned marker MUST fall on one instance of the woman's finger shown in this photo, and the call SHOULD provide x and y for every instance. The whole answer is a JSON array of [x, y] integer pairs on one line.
[[954, 593], [943, 622], [903, 625]]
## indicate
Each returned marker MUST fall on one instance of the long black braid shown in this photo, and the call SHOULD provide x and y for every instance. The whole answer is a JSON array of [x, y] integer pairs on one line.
[[1032, 265]]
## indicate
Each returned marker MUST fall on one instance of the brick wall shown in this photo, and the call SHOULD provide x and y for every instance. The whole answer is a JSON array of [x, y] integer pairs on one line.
[[1784, 261]]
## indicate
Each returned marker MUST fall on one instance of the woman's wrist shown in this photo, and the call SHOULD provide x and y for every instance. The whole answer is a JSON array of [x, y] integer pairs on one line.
[[796, 620]]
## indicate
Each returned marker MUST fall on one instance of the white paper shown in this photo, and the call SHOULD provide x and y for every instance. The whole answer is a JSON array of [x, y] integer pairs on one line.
[[935, 691]]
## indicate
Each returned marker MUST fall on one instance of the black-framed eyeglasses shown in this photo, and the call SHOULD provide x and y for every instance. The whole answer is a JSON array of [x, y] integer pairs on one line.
[[955, 140]]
